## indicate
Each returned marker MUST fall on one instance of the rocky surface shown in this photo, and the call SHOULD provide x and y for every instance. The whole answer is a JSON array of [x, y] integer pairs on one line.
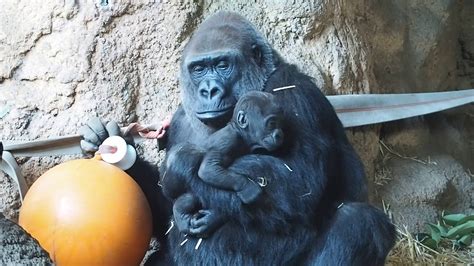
[[18, 247], [64, 61], [418, 189]]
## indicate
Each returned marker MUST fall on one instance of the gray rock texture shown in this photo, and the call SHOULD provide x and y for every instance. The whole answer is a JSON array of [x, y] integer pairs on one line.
[[418, 190], [64, 61], [17, 247]]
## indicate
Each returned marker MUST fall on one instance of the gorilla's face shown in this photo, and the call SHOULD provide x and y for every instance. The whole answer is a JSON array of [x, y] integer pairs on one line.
[[214, 76], [272, 137], [258, 118], [224, 58]]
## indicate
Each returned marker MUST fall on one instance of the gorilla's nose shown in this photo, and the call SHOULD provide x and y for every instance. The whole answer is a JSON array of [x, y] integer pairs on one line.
[[278, 136], [210, 90]]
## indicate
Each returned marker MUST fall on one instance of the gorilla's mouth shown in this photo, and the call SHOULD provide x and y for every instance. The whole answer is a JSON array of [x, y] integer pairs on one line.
[[215, 116], [268, 144]]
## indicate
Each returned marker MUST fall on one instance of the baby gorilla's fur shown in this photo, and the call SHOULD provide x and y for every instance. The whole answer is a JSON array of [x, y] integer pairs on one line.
[[256, 125]]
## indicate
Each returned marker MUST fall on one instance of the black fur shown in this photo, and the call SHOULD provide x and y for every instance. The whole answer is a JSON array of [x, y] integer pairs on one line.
[[255, 125], [296, 220]]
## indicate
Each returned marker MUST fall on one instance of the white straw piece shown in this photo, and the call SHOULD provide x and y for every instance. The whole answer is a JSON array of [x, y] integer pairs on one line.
[[284, 88], [198, 244], [169, 229]]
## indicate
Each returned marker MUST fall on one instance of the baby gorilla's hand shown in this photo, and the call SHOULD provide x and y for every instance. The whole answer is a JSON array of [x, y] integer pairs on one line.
[[249, 192]]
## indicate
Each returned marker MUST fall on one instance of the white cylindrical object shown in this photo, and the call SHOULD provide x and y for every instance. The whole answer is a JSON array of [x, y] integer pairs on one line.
[[125, 155], [129, 159]]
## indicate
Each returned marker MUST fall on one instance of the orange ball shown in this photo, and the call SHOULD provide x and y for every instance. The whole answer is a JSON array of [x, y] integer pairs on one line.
[[88, 212]]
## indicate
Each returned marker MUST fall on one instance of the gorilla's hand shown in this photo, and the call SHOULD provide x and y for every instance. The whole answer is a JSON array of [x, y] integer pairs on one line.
[[205, 222], [95, 132]]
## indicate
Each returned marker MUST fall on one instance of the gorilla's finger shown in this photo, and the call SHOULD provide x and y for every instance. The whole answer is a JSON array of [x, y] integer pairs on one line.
[[198, 222], [200, 215], [112, 128], [193, 222], [204, 212], [98, 127], [183, 225], [88, 146], [199, 231], [89, 135], [197, 215]]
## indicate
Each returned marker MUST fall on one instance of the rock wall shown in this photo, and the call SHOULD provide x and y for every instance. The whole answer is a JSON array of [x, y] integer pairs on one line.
[[64, 61], [18, 247]]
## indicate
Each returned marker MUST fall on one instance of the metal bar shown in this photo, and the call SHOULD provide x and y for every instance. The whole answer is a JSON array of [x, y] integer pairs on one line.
[[54, 146], [366, 109]]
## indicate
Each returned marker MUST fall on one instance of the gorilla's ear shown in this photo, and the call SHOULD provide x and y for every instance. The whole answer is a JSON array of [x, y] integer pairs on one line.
[[257, 54], [242, 119]]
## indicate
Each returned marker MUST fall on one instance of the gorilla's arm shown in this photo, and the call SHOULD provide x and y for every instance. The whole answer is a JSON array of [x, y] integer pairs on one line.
[[183, 209], [147, 177], [145, 174], [181, 160]]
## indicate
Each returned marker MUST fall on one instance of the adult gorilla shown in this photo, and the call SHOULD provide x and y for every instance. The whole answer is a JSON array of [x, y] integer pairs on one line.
[[312, 210]]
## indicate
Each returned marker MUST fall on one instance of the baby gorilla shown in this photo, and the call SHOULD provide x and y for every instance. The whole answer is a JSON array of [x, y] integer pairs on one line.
[[255, 126]]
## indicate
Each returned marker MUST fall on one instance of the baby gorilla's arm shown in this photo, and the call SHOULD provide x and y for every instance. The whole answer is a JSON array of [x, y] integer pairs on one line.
[[213, 172]]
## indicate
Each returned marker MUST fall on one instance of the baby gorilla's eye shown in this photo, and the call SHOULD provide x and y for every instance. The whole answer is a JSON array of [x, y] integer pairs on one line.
[[272, 124]]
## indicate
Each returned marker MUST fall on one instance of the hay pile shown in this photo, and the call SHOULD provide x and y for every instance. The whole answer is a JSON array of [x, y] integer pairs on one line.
[[408, 251]]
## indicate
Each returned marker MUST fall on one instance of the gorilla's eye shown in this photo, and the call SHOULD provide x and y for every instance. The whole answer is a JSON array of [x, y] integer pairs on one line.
[[272, 124], [198, 69], [223, 65]]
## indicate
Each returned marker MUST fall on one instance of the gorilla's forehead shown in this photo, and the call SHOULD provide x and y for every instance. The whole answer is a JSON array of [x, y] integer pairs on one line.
[[210, 56], [217, 38]]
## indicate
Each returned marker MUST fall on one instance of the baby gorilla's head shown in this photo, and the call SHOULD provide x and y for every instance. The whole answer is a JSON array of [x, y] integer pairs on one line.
[[259, 118]]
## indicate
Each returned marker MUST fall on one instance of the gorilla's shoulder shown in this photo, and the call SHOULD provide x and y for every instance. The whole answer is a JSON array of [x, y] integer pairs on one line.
[[286, 74]]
